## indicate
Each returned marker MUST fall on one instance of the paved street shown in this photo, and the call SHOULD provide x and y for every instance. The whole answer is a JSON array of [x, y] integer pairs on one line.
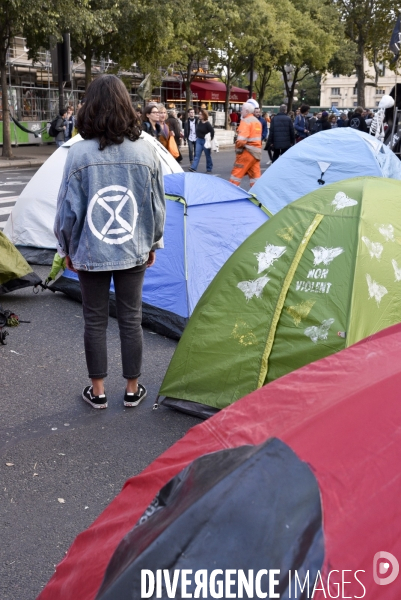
[[62, 462]]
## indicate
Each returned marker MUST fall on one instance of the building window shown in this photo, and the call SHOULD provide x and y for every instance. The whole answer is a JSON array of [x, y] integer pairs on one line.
[[355, 103], [377, 103], [381, 69], [380, 92], [335, 75], [355, 91], [335, 104], [335, 91]]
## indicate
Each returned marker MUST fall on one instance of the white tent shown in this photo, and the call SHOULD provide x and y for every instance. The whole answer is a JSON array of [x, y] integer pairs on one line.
[[32, 218]]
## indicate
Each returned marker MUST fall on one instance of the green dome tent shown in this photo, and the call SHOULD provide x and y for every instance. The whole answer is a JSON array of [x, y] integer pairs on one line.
[[322, 274], [15, 273]]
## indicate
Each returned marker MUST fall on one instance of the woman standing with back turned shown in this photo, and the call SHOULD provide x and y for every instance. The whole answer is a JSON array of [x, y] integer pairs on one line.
[[109, 222]]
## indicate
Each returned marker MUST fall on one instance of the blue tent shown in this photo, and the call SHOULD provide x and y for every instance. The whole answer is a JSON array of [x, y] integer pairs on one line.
[[207, 218], [325, 157]]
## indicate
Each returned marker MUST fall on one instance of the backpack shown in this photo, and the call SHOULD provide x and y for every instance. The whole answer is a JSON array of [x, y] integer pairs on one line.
[[52, 129]]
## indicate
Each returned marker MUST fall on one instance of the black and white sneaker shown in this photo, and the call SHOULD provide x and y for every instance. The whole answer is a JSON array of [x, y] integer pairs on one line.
[[131, 399], [95, 401]]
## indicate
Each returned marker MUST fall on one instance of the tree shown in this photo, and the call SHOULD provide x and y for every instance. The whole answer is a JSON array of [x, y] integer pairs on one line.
[[145, 31], [94, 31], [316, 38], [275, 41], [235, 30], [368, 25], [189, 43], [33, 19]]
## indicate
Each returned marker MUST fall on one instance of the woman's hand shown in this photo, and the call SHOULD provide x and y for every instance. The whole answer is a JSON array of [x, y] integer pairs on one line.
[[69, 264], [152, 259]]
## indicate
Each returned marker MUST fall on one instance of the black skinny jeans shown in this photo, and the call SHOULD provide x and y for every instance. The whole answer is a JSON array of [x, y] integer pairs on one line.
[[95, 287]]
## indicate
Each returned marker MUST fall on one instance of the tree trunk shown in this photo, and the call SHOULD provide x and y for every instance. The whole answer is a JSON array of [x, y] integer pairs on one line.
[[188, 88], [7, 151], [291, 89], [261, 86], [227, 103], [88, 67], [227, 100], [360, 75]]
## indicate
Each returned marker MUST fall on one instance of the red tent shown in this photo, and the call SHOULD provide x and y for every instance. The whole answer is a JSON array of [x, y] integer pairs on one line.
[[341, 415]]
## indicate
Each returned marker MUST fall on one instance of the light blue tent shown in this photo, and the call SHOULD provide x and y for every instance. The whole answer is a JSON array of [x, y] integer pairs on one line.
[[207, 218], [324, 157]]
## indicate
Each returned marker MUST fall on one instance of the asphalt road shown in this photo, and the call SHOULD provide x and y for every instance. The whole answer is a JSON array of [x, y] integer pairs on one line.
[[62, 462]]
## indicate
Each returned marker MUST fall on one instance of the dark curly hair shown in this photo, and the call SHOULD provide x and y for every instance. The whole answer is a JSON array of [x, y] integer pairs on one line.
[[108, 113]]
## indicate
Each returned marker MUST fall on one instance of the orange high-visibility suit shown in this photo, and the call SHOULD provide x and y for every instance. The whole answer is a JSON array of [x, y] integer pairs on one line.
[[249, 150]]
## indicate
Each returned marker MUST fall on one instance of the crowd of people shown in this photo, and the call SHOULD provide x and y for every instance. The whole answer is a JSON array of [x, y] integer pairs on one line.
[[277, 132], [286, 129]]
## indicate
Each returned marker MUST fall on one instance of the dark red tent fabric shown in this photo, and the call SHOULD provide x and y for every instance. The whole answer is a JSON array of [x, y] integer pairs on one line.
[[342, 415]]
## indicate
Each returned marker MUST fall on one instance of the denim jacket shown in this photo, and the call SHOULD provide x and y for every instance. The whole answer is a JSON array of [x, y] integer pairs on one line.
[[111, 206]]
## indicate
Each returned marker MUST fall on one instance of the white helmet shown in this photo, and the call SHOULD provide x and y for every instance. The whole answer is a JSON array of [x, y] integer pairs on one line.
[[254, 102]]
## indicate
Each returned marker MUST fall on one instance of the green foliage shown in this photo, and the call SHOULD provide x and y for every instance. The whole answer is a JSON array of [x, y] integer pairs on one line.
[[368, 25]]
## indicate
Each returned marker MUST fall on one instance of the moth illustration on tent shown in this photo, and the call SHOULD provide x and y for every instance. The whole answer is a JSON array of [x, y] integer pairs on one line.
[[253, 288], [269, 256], [319, 332], [341, 200], [387, 232], [375, 248], [286, 234], [397, 270], [300, 311], [376, 290], [243, 334], [325, 255]]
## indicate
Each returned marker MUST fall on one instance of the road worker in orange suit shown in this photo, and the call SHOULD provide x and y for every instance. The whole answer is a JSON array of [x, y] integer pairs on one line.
[[248, 147]]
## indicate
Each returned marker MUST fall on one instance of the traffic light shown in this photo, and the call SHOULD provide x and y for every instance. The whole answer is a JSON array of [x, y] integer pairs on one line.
[[303, 94]]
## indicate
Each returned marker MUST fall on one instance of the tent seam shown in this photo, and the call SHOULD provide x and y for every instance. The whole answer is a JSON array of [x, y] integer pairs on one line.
[[281, 299]]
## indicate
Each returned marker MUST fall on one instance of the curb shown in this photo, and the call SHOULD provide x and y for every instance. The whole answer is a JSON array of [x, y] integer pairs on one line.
[[38, 162], [34, 162]]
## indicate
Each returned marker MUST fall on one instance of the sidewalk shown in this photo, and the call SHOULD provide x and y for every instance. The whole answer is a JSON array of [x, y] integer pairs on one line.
[[28, 156], [36, 155]]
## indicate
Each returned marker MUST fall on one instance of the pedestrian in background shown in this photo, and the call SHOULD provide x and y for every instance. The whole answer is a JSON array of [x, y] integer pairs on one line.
[[333, 121], [356, 121], [262, 121], [164, 128], [174, 127], [190, 133], [342, 121], [301, 124], [281, 135], [150, 120], [61, 127], [248, 147], [109, 222], [69, 122], [322, 124], [202, 128]]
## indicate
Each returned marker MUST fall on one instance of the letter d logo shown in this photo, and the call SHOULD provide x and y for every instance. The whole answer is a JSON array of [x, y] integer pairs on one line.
[[381, 566]]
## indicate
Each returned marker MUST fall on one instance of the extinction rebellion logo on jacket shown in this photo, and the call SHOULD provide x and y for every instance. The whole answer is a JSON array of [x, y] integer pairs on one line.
[[112, 214]]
